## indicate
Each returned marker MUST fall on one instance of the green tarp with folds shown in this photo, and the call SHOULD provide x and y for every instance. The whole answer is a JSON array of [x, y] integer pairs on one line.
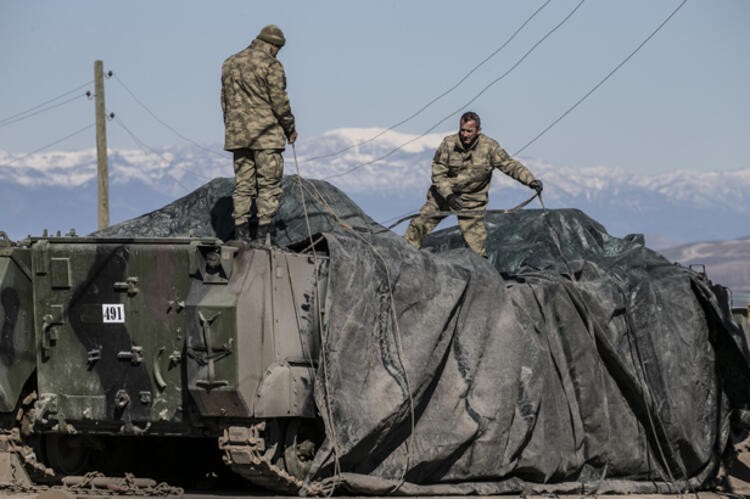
[[568, 361]]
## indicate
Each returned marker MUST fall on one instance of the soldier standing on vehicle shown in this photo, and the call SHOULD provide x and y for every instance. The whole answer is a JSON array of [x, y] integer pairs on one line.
[[461, 174], [258, 121]]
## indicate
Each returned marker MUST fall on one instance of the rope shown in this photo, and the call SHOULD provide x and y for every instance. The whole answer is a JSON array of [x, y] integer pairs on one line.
[[323, 355], [648, 392], [460, 213], [642, 371], [396, 329], [556, 241], [634, 345]]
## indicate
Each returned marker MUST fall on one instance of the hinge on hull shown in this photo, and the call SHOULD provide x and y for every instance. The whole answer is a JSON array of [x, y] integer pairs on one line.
[[210, 382]]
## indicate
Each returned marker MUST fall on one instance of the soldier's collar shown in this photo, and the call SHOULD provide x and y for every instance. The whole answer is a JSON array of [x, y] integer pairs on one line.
[[460, 145], [263, 46]]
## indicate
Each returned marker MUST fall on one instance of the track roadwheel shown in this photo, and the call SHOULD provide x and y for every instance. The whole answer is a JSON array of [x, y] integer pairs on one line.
[[68, 454], [301, 442]]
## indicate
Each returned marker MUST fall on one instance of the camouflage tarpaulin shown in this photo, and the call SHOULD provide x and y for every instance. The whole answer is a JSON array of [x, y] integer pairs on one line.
[[593, 366]]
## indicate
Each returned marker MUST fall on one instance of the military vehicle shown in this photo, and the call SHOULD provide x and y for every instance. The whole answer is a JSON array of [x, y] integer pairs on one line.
[[172, 351], [180, 359]]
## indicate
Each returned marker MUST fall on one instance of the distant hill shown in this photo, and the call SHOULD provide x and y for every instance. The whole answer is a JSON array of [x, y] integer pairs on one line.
[[726, 262]]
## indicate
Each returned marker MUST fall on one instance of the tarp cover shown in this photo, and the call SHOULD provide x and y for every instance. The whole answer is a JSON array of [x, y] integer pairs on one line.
[[568, 361]]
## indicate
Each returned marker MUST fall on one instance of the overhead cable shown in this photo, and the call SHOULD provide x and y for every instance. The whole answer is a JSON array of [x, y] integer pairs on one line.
[[601, 82], [435, 99], [53, 106], [514, 66], [149, 150], [167, 125], [594, 88], [48, 101]]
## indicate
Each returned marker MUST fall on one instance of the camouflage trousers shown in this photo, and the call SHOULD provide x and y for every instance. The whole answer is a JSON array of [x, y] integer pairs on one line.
[[257, 175], [472, 228]]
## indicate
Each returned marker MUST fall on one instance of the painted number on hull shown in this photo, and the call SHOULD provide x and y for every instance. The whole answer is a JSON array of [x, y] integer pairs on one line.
[[113, 312]]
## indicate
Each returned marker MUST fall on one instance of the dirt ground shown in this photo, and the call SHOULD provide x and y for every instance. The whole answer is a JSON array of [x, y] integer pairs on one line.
[[51, 494], [736, 479], [734, 482]]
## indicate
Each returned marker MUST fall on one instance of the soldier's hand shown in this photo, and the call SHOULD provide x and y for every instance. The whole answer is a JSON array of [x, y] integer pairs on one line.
[[537, 186], [454, 202], [292, 137]]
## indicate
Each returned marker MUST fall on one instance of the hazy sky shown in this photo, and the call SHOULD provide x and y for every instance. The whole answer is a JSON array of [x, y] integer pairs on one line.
[[681, 102]]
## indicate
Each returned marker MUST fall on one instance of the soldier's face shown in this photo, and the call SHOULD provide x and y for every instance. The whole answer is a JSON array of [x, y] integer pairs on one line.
[[468, 132]]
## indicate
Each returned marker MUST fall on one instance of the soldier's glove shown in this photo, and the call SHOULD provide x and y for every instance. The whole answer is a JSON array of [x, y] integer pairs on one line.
[[454, 202], [537, 186]]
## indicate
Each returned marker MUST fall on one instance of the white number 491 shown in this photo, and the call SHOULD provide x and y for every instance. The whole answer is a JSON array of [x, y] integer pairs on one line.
[[114, 312]]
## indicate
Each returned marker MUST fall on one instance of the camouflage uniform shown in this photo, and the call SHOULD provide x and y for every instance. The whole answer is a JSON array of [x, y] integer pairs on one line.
[[467, 174], [258, 120]]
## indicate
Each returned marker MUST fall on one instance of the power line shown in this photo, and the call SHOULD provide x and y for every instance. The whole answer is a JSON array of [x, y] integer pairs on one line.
[[149, 150], [601, 82], [136, 99], [595, 87], [431, 102], [146, 148], [2, 121], [49, 145], [514, 66], [21, 118]]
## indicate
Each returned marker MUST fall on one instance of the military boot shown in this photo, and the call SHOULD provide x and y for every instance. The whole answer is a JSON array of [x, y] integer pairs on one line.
[[264, 236], [241, 235]]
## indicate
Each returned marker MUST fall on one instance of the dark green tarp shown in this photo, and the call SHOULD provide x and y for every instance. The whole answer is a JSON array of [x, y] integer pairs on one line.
[[568, 361]]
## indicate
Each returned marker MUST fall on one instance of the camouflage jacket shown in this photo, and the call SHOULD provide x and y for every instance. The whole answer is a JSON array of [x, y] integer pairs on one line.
[[467, 173], [257, 113]]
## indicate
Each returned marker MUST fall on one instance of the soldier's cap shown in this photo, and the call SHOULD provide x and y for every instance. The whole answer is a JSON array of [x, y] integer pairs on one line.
[[273, 35]]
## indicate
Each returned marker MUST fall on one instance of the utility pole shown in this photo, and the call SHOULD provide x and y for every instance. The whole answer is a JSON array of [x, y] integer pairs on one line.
[[101, 146]]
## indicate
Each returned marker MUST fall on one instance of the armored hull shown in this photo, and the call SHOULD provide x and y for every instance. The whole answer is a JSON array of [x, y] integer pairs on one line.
[[120, 351]]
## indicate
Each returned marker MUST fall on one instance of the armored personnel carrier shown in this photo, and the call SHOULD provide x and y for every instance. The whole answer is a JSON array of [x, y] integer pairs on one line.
[[172, 351], [579, 363]]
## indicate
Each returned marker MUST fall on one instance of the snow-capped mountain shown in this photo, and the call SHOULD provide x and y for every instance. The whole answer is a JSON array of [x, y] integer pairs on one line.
[[387, 173]]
